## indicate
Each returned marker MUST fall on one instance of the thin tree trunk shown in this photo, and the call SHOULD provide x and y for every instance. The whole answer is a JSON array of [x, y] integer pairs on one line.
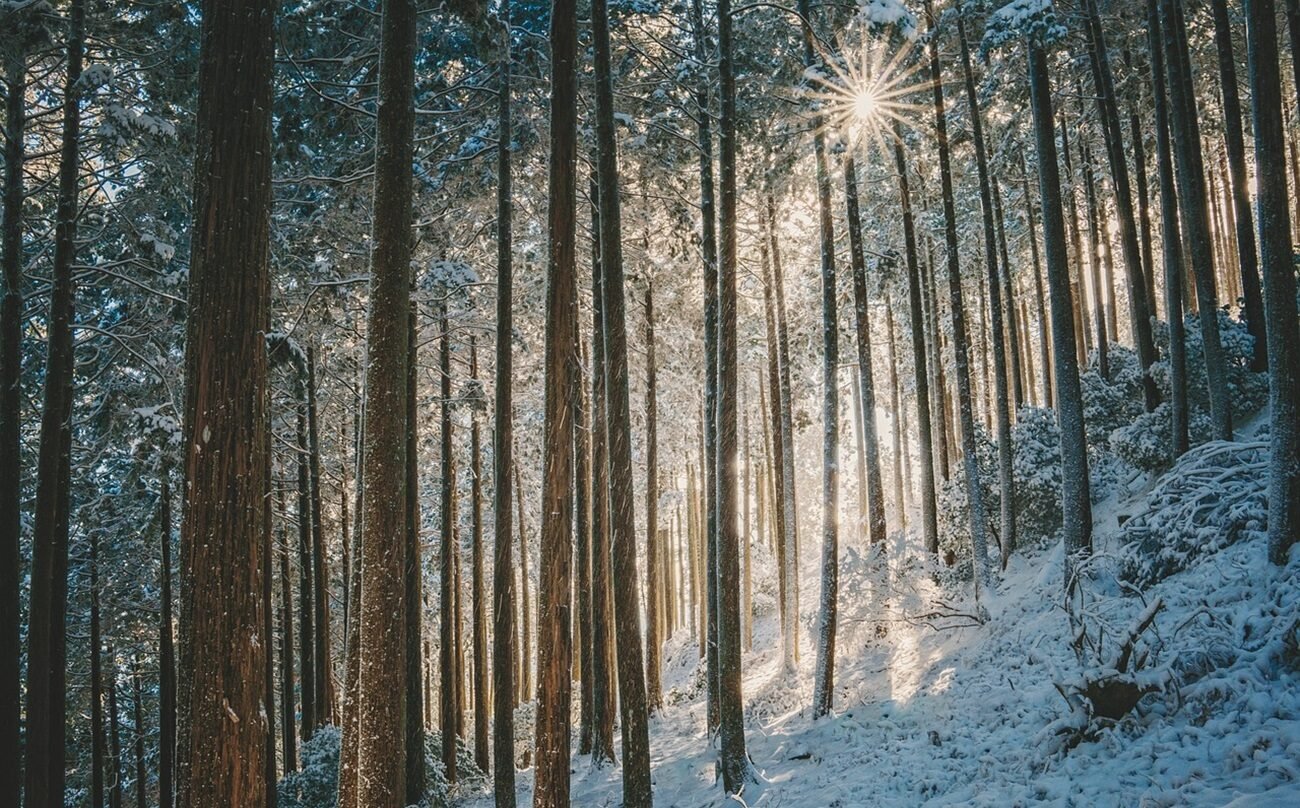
[[525, 597], [166, 650], [306, 584], [957, 310], [824, 675], [114, 734], [319, 564], [503, 574], [622, 513], [1013, 328], [555, 652], [1108, 106], [1076, 504], [382, 671], [288, 739], [226, 424], [654, 583], [925, 439], [137, 703], [1279, 280], [97, 738], [1081, 338], [1095, 240], [11, 337], [482, 707], [48, 602], [1002, 403], [270, 799], [602, 659], [895, 412], [413, 577], [1195, 213], [1170, 239], [876, 526], [582, 440], [731, 720], [1239, 182], [448, 613], [1044, 354]]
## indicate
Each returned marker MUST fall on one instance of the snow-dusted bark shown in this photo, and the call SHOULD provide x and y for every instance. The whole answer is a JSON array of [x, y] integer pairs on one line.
[[1194, 209], [1279, 281], [957, 310], [1076, 505]]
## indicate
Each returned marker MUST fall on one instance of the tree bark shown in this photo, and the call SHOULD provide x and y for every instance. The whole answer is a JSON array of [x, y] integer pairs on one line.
[[1195, 212], [306, 581], [449, 718], [551, 783], [622, 514], [97, 739], [319, 563], [382, 670], [1239, 182], [413, 576], [1076, 505], [654, 583], [166, 650], [1170, 239], [288, 740], [482, 706], [503, 574], [1279, 280], [48, 602], [220, 689]]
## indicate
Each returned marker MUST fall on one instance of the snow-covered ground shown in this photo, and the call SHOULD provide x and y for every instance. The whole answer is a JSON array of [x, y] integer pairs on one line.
[[941, 710]]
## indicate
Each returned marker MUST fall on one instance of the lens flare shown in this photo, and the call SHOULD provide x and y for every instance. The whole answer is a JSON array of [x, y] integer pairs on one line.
[[864, 95]]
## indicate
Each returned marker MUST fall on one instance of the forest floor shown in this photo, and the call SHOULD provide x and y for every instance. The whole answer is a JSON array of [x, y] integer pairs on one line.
[[934, 708]]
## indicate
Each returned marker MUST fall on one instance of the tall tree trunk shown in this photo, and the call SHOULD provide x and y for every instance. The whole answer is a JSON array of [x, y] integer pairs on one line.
[[11, 339], [288, 740], [1195, 212], [114, 734], [957, 310], [319, 564], [654, 583], [709, 467], [382, 670], [582, 439], [306, 582], [551, 784], [166, 651], [925, 439], [1239, 181], [137, 701], [1138, 144], [895, 413], [48, 602], [1108, 106], [1076, 505], [97, 738], [448, 613], [772, 427], [1013, 352], [268, 627], [413, 575], [622, 514], [1096, 240], [482, 705], [602, 658], [1170, 239], [503, 572], [227, 434], [1044, 355], [1279, 280], [824, 675], [1076, 248], [783, 404], [1001, 395], [731, 719], [876, 528], [525, 598]]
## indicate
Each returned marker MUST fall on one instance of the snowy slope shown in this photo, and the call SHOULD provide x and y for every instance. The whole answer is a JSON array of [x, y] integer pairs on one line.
[[941, 710]]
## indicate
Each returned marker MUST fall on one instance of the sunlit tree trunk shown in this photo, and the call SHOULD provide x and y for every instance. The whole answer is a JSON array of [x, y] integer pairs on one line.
[[555, 652]]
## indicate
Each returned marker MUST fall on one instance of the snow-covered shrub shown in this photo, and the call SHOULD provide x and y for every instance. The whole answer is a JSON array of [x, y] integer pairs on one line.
[[316, 783], [1214, 496], [1247, 390], [1145, 444], [1113, 401], [954, 505], [1036, 467]]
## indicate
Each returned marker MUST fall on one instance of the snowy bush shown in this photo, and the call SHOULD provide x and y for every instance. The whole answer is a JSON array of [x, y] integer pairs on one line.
[[1036, 466], [316, 783], [1247, 390], [1115, 400], [954, 505], [1214, 496]]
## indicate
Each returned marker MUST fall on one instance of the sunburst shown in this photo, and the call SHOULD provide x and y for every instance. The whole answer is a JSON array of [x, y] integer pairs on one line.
[[865, 99]]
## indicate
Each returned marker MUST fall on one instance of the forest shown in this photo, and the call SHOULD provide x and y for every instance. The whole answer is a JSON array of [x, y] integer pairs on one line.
[[649, 402]]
